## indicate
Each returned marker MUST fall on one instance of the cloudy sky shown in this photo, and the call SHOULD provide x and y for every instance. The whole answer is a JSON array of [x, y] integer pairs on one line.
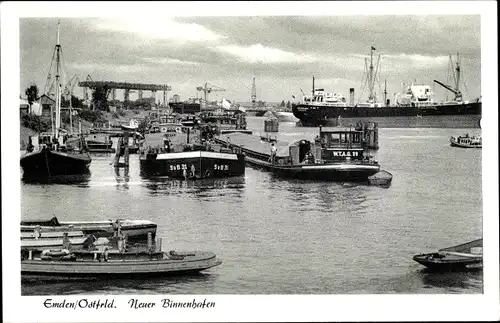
[[281, 52]]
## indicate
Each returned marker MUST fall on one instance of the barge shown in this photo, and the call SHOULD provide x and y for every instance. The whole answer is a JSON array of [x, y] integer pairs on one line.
[[107, 264], [134, 229], [181, 159], [466, 256], [336, 154]]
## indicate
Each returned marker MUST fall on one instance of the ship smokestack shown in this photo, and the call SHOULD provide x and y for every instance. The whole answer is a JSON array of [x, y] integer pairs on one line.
[[351, 96]]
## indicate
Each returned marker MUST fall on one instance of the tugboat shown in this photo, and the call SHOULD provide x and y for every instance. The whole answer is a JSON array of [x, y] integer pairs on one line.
[[465, 256], [337, 154], [466, 141], [53, 156]]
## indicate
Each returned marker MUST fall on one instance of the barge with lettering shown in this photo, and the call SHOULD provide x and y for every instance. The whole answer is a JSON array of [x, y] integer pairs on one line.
[[198, 159], [336, 154]]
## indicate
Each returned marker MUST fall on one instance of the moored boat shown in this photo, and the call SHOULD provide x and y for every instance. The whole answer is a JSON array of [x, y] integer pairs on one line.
[[181, 158], [382, 178], [336, 154], [320, 108], [467, 256], [466, 141], [113, 264], [53, 156], [40, 239], [134, 229]]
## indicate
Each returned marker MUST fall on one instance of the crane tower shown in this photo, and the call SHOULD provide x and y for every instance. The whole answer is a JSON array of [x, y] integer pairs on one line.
[[206, 89]]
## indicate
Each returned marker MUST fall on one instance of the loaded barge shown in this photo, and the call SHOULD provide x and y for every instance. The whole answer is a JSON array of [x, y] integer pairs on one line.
[[336, 154]]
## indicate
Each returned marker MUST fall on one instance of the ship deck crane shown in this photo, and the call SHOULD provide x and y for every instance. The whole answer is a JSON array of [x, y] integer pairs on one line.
[[458, 94], [208, 88]]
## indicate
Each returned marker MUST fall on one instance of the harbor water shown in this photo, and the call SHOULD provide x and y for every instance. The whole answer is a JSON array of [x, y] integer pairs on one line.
[[278, 236]]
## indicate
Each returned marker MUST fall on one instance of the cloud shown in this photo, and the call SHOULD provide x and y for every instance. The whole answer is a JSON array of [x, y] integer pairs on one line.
[[168, 61], [394, 62], [114, 68], [258, 53], [160, 28]]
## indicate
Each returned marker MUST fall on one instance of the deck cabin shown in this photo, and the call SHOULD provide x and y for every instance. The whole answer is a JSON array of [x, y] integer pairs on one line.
[[225, 120], [469, 140]]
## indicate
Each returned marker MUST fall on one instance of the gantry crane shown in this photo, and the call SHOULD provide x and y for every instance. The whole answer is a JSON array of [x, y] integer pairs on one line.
[[208, 88]]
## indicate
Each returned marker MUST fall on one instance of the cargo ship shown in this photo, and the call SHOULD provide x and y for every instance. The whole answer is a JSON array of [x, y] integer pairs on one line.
[[320, 107]]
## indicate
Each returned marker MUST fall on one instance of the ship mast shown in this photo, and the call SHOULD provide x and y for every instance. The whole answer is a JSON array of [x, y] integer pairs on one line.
[[312, 97], [58, 85], [457, 69], [370, 75], [385, 92]]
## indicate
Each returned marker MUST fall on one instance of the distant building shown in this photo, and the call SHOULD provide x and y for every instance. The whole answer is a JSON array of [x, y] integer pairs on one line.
[[24, 107], [47, 104]]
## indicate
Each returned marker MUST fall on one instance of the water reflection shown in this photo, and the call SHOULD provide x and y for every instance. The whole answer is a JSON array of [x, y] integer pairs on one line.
[[79, 180], [137, 285], [200, 188], [460, 280], [122, 177]]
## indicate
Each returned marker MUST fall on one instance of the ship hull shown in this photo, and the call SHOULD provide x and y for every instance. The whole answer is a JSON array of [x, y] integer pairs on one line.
[[134, 267], [206, 164], [51, 163], [336, 172], [314, 115]]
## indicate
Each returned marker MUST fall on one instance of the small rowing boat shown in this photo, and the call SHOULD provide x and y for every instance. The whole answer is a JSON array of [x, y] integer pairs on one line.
[[466, 256]]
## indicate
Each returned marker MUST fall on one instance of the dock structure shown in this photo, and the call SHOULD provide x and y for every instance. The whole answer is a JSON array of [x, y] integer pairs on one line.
[[370, 134], [122, 150], [126, 87]]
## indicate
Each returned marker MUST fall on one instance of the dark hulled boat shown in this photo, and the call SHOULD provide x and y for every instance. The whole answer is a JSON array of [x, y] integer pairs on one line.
[[467, 256], [49, 162], [178, 158], [54, 156], [197, 164]]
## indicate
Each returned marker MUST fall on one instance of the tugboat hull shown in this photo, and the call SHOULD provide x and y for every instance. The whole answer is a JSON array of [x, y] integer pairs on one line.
[[205, 164], [50, 163]]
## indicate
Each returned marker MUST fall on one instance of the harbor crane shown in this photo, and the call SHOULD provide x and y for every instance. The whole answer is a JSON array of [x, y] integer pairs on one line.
[[458, 94], [456, 78], [208, 88], [68, 94]]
